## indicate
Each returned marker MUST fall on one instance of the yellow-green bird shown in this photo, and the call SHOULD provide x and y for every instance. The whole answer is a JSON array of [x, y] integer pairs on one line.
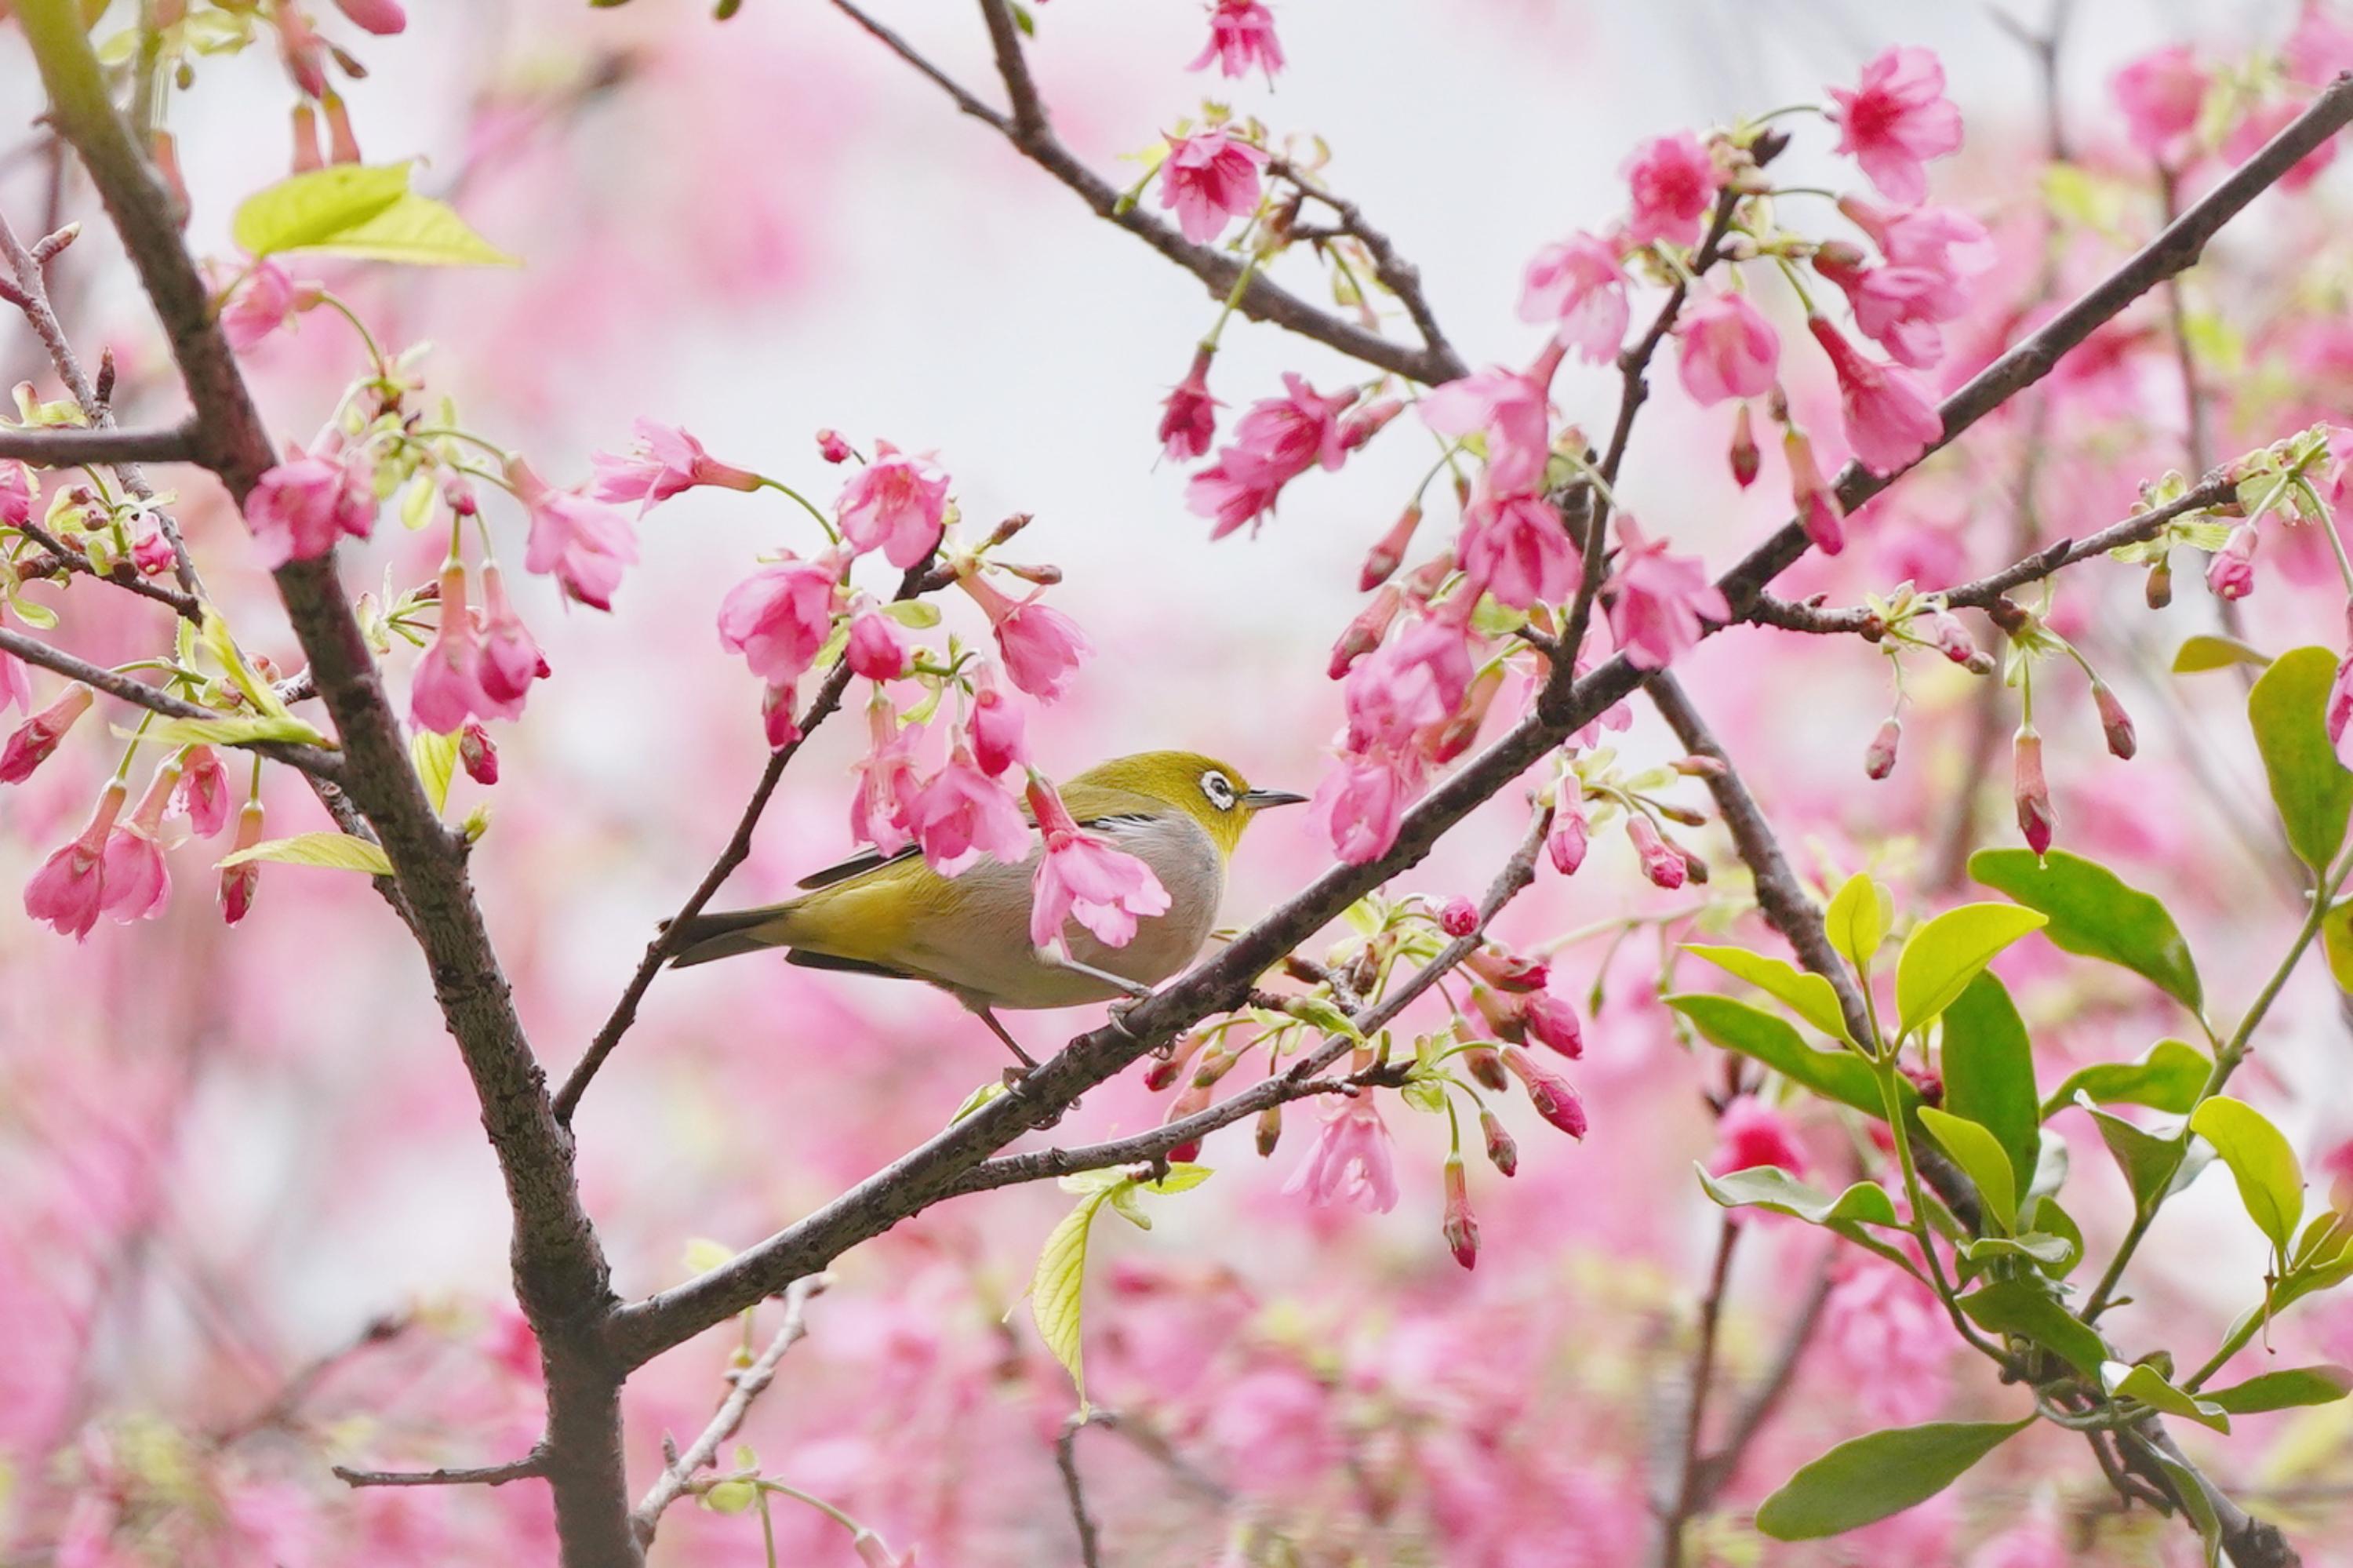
[[1179, 812]]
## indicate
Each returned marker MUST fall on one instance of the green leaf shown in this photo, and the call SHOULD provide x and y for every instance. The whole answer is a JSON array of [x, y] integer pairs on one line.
[[1941, 957], [2045, 1252], [299, 212], [336, 852], [1770, 1187], [2284, 1390], [224, 650], [922, 615], [2271, 1184], [1989, 1069], [2024, 1309], [2050, 1219], [729, 1497], [234, 729], [2095, 913], [1808, 995], [1982, 1159], [2288, 708], [2209, 653], [1056, 1289], [2147, 1384], [2153, 1166], [2191, 1487], [417, 231], [993, 1089], [1858, 919], [1839, 1076], [436, 757], [2167, 1077], [1866, 1478], [2337, 942], [1321, 1013]]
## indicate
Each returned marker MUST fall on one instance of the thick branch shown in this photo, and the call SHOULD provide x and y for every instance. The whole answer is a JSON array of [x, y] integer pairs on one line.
[[70, 446]]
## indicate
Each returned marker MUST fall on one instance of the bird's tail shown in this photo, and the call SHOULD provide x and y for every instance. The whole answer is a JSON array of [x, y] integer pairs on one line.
[[726, 933]]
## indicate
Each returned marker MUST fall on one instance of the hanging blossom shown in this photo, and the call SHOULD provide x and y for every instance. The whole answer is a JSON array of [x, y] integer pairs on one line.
[[1658, 601], [267, 299], [1278, 439], [1209, 178], [995, 727], [1578, 285], [897, 504], [889, 777], [1041, 646], [1400, 698], [779, 618], [1242, 35], [1729, 350], [1895, 119], [960, 814], [662, 460], [204, 792], [585, 544], [1941, 238], [1509, 409], [510, 658], [137, 883], [67, 890], [33, 742], [1901, 308], [1890, 420], [299, 507], [447, 687], [1352, 1159], [1189, 418], [1672, 182], [1517, 548], [1082, 877], [2161, 94]]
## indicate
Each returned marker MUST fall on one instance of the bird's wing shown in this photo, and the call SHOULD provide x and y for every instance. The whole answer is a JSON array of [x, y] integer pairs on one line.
[[856, 866], [1093, 805]]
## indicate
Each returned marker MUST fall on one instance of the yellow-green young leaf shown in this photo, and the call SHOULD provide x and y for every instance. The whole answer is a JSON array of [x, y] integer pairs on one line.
[[223, 647], [2271, 1183], [921, 615], [1181, 1178], [2337, 942], [1858, 918], [418, 231], [1056, 1289], [993, 1089], [2284, 1390], [336, 852], [1982, 1159], [234, 729], [2167, 1077], [436, 757], [1943, 956], [729, 1497], [298, 213], [417, 507], [2147, 1384], [702, 1255], [2208, 652], [1322, 1012], [2313, 791], [1866, 1478], [1809, 996], [2189, 1486]]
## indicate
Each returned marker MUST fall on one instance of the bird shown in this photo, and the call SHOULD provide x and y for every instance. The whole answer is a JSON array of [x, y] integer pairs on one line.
[[1180, 812]]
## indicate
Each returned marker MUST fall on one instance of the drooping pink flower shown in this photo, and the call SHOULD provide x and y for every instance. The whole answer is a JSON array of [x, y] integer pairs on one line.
[[137, 883], [1659, 600], [883, 804], [996, 727], [1041, 646], [447, 687], [780, 713], [1750, 1134], [151, 555], [1511, 410], [1516, 548], [1728, 350], [2161, 94], [1660, 863], [511, 658], [585, 544], [1672, 182], [1458, 1225], [875, 649], [2037, 818], [1578, 285], [1890, 420], [66, 892], [1242, 35], [1568, 841], [2117, 724], [238, 883], [384, 17], [1899, 307], [1551, 1094], [1818, 511], [204, 795], [1352, 1159], [1879, 756], [896, 504], [1416, 679], [2230, 570], [1208, 179], [780, 616], [17, 492], [1082, 877], [1896, 118], [1548, 1021], [832, 447], [960, 814], [33, 742], [662, 460], [1275, 441], [297, 509], [1940, 238], [1188, 419], [1360, 803], [265, 300]]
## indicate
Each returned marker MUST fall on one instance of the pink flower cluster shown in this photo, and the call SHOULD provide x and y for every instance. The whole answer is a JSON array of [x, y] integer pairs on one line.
[[480, 664], [1275, 441], [1242, 35], [115, 865]]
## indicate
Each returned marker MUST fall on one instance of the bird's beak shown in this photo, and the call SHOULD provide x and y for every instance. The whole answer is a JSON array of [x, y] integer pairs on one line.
[[1260, 800]]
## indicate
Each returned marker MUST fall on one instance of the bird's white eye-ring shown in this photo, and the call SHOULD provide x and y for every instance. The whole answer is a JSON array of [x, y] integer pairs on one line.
[[1218, 788]]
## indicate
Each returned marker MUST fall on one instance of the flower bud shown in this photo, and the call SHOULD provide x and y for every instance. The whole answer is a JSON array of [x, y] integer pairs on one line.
[[1485, 1066], [37, 736], [342, 147], [1952, 638], [151, 556], [1550, 1093], [1508, 971], [1388, 550], [778, 716], [2157, 589], [1552, 1022], [204, 790], [476, 752], [1661, 864], [1364, 634], [238, 882], [875, 649], [1817, 503], [1879, 760], [1694, 868], [2115, 722], [1270, 1130], [1189, 418], [1458, 916], [1367, 423], [996, 726], [1744, 456], [832, 447], [1566, 843], [1460, 1227], [1700, 765], [1454, 737], [1165, 1071], [1195, 1097], [2036, 818], [1501, 1152], [2231, 573], [1927, 1080]]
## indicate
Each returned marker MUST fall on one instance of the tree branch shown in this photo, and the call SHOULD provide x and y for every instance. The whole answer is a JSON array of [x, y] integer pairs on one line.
[[533, 1464], [71, 446]]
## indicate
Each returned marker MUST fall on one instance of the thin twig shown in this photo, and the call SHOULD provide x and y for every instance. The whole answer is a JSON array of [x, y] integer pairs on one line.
[[71, 446], [1066, 1459], [62, 559], [282, 1406], [530, 1465]]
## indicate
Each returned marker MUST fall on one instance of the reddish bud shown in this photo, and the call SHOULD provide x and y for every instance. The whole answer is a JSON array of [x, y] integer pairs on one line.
[[1817, 503], [2036, 818], [875, 650], [1879, 760], [38, 737], [832, 447], [1952, 638], [1460, 1227], [1694, 868], [476, 754], [1660, 863], [1552, 1022], [1927, 1080], [1566, 843], [1459, 916], [1501, 1152], [1456, 735], [238, 882], [1485, 1066], [1550, 1093], [1744, 456], [1389, 550], [2231, 573], [996, 726], [307, 157], [1195, 1097], [1508, 971], [1270, 1130], [778, 717], [1364, 634], [2115, 721], [2157, 589], [1165, 1072], [1367, 423]]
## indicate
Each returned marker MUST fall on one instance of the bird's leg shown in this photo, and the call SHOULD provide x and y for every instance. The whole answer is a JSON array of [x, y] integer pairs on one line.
[[1135, 989], [1013, 1076]]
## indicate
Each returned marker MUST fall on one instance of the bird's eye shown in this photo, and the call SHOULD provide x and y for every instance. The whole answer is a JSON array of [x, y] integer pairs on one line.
[[1218, 788]]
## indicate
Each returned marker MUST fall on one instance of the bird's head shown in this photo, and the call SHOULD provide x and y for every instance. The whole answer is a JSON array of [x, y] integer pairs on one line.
[[1211, 792]]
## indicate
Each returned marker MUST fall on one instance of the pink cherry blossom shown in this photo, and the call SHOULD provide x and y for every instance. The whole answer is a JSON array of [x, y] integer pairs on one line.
[[1510, 409], [1360, 803], [1660, 863], [1890, 420], [151, 553], [662, 460], [1729, 350], [780, 713], [1417, 679], [1554, 1099], [1209, 178], [1896, 118], [1278, 439], [33, 742], [238, 883], [1567, 842], [896, 504], [1750, 1134], [996, 727], [2161, 94], [447, 687], [1674, 181], [1899, 306], [1551, 1021], [137, 884], [265, 300], [311, 498], [1352, 1159], [1041, 646], [67, 890], [2230, 571], [780, 616], [875, 649], [960, 814], [1188, 419], [1578, 285], [1879, 1317], [204, 796], [381, 17], [1939, 238], [2038, 820], [889, 777], [18, 492], [585, 544], [511, 658], [1659, 600], [1516, 547], [1242, 35], [478, 754], [1082, 877]]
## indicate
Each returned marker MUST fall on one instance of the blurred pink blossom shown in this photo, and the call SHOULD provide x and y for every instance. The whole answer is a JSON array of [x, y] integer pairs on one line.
[[1209, 178], [1896, 118]]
